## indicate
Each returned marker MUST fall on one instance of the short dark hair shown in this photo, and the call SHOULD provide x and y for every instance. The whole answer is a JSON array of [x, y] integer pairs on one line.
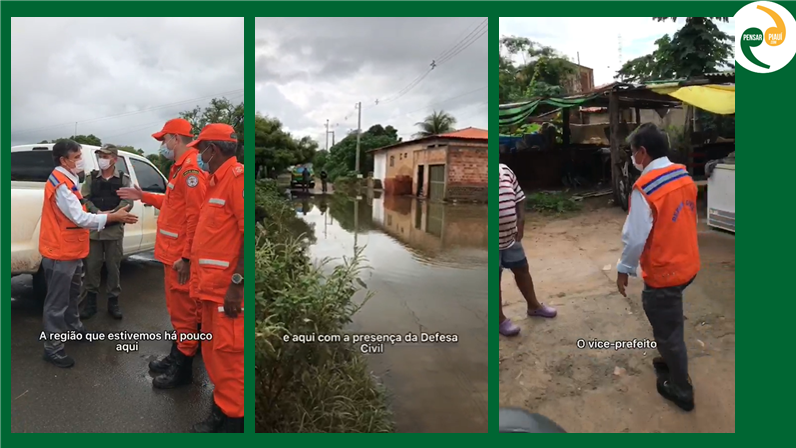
[[652, 138], [226, 148], [185, 139], [64, 148]]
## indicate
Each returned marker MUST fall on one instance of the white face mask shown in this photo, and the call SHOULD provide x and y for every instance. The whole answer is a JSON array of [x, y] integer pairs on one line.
[[104, 164], [636, 165], [79, 167]]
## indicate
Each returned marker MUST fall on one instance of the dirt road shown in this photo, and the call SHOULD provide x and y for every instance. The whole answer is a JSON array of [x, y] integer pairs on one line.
[[585, 390]]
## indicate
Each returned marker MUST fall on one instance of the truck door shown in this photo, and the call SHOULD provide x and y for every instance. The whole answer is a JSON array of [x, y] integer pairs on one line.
[[150, 180]]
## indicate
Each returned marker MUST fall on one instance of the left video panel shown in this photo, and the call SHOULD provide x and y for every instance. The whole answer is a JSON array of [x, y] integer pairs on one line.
[[127, 225]]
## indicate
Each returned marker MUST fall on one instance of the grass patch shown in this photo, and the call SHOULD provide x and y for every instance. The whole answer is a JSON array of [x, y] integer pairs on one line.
[[307, 387], [545, 202]]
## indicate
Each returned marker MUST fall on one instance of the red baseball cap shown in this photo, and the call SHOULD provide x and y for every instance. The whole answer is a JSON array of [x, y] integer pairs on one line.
[[216, 132], [177, 126]]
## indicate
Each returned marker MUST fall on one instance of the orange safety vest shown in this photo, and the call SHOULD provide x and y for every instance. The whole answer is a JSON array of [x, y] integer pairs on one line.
[[179, 208], [219, 234], [59, 238], [671, 255]]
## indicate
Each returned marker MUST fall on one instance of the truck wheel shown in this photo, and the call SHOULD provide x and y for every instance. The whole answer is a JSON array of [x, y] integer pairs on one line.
[[39, 284]]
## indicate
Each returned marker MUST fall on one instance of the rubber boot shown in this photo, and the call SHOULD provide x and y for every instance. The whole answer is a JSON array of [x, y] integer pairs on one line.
[[90, 307], [179, 373], [199, 330], [232, 424], [213, 423], [113, 308], [162, 365]]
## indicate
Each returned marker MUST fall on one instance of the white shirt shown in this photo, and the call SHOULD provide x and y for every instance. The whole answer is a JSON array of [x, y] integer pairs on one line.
[[638, 225], [71, 207]]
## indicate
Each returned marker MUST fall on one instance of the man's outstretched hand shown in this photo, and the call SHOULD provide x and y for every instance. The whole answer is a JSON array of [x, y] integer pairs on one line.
[[133, 193]]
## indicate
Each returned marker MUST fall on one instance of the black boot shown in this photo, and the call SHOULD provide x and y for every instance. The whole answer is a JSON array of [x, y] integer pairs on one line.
[[198, 331], [90, 307], [113, 308], [213, 423], [162, 365], [682, 397], [232, 424], [179, 373]]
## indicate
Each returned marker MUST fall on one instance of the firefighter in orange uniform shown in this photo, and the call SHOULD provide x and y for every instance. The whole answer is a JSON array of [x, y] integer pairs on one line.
[[217, 257], [179, 214]]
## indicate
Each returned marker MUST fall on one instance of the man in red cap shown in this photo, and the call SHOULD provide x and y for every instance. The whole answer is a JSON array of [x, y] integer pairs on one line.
[[179, 213], [217, 256]]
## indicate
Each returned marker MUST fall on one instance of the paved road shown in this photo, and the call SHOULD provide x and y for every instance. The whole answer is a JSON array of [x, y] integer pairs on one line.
[[106, 391]]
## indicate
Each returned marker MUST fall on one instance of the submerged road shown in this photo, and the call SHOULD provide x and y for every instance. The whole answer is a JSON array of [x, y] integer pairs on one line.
[[106, 391]]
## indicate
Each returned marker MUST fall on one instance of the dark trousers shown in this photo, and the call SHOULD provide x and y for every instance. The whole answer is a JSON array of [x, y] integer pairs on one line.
[[60, 305], [664, 309]]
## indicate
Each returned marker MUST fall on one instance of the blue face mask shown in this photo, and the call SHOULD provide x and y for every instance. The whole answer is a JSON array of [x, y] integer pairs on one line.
[[166, 152], [202, 164]]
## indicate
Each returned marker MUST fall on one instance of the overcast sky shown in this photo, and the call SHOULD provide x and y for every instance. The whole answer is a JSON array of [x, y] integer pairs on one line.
[[84, 70], [313, 69], [597, 39]]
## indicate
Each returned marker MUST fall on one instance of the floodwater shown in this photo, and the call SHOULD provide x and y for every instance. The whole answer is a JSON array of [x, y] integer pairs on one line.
[[428, 274]]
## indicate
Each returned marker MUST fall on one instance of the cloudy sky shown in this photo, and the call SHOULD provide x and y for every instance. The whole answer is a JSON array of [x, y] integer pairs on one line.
[[313, 69], [597, 39], [118, 78]]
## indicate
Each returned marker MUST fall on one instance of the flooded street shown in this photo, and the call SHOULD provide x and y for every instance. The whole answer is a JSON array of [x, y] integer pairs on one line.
[[428, 274]]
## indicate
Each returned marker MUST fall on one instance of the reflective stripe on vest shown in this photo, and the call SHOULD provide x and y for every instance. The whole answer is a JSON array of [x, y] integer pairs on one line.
[[217, 201], [171, 234], [663, 179], [209, 262], [171, 186]]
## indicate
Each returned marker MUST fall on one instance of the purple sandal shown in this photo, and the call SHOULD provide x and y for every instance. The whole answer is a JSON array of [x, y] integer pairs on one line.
[[544, 311], [507, 328]]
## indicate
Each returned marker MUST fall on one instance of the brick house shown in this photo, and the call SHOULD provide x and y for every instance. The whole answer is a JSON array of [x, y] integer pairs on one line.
[[447, 167]]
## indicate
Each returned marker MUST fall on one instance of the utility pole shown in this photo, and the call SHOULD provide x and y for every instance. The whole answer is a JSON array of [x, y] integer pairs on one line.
[[75, 129], [359, 131], [332, 138], [327, 135]]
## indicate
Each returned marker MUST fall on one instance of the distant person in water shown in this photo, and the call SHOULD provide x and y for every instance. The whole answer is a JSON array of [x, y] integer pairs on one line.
[[324, 178], [511, 226], [306, 178]]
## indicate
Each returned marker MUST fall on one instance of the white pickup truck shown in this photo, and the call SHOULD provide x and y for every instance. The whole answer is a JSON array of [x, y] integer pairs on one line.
[[31, 165]]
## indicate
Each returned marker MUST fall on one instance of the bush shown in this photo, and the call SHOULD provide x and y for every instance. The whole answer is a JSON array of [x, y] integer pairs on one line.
[[310, 387], [551, 203]]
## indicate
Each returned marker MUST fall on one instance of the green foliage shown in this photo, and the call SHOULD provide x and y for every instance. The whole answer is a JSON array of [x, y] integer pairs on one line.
[[341, 159], [90, 139], [541, 73], [277, 149], [551, 203], [220, 110], [312, 387], [436, 123], [698, 47]]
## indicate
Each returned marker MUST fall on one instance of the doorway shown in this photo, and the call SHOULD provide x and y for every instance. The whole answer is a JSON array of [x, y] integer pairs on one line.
[[436, 182], [420, 175]]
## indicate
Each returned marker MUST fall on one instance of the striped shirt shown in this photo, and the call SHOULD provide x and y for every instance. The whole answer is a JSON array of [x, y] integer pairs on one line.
[[510, 195]]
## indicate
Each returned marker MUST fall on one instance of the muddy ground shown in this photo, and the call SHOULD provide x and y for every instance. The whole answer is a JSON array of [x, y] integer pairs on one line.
[[573, 263]]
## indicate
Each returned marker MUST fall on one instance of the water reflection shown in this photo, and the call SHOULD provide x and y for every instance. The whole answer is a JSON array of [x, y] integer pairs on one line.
[[429, 274]]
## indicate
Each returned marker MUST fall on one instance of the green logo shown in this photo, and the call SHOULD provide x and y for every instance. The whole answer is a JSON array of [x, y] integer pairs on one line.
[[751, 38]]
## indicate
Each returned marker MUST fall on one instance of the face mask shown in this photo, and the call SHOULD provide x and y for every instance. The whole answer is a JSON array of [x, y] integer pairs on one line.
[[636, 165], [78, 168], [202, 164], [104, 164], [166, 152]]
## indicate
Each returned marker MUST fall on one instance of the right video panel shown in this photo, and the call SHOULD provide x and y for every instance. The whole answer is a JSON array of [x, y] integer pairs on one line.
[[371, 253], [617, 136]]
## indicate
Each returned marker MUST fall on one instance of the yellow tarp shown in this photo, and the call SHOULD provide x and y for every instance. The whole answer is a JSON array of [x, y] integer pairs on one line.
[[719, 99]]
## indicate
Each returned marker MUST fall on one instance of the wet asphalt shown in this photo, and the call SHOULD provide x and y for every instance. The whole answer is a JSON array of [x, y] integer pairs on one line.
[[106, 391]]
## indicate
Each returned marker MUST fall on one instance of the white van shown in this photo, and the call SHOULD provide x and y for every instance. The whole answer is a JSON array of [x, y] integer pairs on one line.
[[31, 165]]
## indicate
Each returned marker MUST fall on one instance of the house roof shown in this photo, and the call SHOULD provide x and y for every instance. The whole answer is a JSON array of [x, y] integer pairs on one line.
[[462, 134]]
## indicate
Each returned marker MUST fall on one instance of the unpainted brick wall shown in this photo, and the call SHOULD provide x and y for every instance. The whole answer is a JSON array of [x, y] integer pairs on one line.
[[468, 174]]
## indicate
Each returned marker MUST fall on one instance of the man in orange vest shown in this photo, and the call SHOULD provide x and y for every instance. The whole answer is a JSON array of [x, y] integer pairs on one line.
[[217, 255], [63, 244], [179, 213], [661, 234]]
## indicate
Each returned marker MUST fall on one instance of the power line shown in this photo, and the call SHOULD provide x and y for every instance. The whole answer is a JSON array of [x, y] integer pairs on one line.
[[464, 46], [450, 53], [125, 114]]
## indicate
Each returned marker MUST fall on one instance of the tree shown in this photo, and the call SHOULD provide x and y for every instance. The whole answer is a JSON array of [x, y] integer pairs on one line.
[[436, 123], [341, 160], [277, 149], [90, 139], [696, 48], [542, 72], [220, 110], [130, 149]]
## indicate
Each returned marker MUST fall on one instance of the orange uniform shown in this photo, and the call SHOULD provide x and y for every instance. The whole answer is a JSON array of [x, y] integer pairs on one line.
[[59, 238], [671, 255], [179, 213], [215, 253]]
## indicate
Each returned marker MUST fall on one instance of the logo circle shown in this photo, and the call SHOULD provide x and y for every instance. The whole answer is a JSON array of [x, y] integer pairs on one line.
[[764, 51]]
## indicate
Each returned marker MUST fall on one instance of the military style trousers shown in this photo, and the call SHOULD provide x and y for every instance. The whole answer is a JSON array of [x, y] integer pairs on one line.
[[109, 252]]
